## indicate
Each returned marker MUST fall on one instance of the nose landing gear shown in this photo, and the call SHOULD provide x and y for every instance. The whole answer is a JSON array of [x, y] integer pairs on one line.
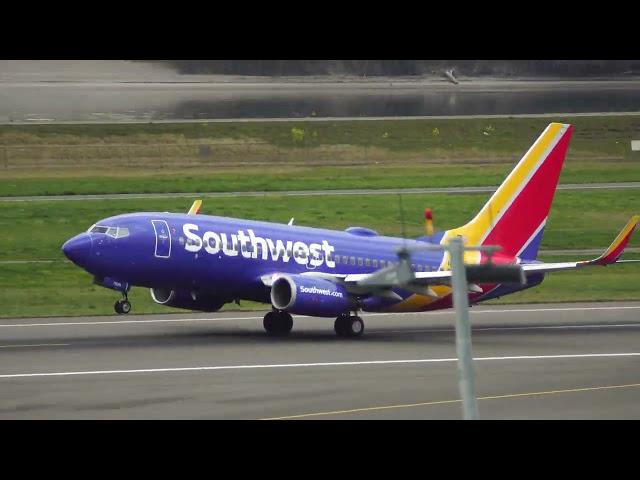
[[122, 307]]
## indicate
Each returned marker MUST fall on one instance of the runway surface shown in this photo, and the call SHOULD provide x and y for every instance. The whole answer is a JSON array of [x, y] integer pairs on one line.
[[307, 193], [532, 362]]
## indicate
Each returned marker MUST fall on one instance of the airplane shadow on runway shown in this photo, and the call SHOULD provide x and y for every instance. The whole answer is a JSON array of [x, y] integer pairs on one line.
[[494, 335]]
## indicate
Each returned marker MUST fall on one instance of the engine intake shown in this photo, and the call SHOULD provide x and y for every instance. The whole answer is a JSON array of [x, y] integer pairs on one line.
[[310, 296], [185, 299]]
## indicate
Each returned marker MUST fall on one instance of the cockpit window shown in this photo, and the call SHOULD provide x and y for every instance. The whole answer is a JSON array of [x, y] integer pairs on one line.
[[122, 232], [115, 232], [98, 229]]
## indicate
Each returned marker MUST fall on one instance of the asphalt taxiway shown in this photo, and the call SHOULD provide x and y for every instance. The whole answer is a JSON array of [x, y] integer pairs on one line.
[[560, 361]]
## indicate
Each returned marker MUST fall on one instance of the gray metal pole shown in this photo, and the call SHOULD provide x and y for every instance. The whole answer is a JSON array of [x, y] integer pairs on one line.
[[466, 376]]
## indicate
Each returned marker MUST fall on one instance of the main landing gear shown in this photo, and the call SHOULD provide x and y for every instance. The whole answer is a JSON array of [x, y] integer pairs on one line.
[[349, 326], [278, 323], [122, 307]]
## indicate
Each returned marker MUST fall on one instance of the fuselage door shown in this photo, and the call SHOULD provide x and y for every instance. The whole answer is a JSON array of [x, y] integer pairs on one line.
[[163, 238]]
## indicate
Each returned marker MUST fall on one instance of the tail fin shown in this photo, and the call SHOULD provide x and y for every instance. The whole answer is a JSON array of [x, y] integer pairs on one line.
[[515, 215]]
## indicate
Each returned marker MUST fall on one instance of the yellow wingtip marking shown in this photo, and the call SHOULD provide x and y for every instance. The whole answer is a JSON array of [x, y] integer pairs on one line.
[[195, 208], [624, 233]]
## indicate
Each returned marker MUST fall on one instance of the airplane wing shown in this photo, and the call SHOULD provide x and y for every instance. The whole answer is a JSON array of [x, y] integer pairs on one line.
[[400, 275], [609, 257]]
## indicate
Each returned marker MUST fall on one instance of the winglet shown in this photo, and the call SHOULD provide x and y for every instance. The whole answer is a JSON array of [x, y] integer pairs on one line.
[[195, 208], [616, 249]]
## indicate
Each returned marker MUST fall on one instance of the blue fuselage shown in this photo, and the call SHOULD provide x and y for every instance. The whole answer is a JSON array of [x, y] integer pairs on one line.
[[228, 257]]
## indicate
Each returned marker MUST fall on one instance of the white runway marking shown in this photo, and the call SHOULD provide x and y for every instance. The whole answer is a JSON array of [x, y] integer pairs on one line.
[[482, 329], [227, 319], [311, 365], [560, 309], [35, 345], [129, 322]]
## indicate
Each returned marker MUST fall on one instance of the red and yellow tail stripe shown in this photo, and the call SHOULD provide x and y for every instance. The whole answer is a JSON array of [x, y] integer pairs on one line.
[[520, 206]]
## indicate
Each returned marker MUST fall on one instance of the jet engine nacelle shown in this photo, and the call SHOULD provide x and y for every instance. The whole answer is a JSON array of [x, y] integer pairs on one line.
[[310, 296], [186, 299]]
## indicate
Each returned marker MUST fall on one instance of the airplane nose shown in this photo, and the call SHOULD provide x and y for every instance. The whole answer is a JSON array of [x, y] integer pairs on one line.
[[78, 249]]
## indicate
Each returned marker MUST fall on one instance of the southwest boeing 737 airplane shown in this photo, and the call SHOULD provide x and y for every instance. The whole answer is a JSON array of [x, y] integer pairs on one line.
[[200, 262]]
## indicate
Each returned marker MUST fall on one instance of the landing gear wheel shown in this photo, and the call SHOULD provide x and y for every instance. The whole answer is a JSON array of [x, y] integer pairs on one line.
[[356, 327], [122, 307], [278, 323], [349, 326], [269, 322], [339, 325]]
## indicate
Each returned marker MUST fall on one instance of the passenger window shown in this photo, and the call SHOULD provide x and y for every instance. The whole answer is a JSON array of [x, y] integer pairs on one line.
[[345, 259], [337, 259], [359, 262], [375, 262], [352, 260], [367, 262], [382, 263]]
